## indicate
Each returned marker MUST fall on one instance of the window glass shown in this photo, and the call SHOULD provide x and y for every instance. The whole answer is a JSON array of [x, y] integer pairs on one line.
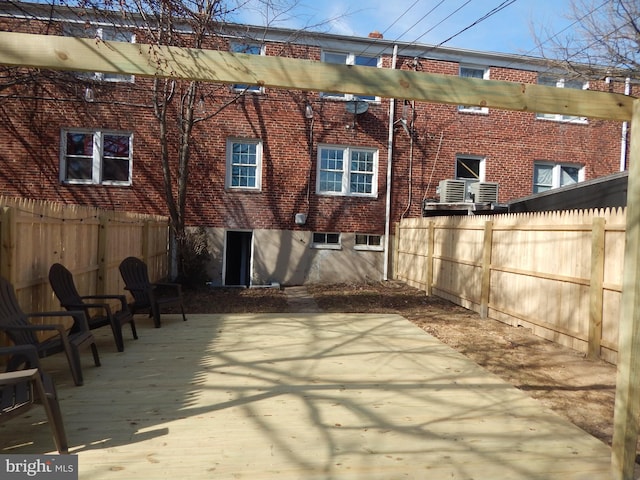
[[96, 157], [249, 49], [548, 175], [350, 59], [115, 165], [244, 164], [347, 171], [542, 178], [321, 239], [368, 242], [361, 172], [550, 81], [473, 72], [331, 170]]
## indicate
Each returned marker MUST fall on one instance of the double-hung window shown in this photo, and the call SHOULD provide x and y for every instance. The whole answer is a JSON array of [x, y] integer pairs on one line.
[[548, 175], [474, 72], [105, 34], [348, 171], [249, 49], [562, 83], [244, 164], [350, 59], [96, 157]]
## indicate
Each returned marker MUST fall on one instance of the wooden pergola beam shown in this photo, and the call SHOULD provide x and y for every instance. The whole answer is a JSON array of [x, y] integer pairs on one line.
[[92, 55], [77, 54]]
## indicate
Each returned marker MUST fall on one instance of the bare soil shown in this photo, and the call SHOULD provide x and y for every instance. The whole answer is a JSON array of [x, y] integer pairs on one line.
[[581, 390]]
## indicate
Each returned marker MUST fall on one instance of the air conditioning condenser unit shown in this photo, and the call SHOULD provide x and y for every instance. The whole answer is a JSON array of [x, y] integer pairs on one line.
[[484, 192], [451, 191]]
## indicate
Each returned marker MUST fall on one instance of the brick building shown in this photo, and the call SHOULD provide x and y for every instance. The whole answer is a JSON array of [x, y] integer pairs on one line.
[[291, 186]]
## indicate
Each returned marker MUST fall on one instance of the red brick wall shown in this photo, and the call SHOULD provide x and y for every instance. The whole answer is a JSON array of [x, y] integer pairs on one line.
[[32, 117]]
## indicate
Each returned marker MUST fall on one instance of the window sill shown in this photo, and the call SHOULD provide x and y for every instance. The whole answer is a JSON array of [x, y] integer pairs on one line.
[[325, 246], [364, 248]]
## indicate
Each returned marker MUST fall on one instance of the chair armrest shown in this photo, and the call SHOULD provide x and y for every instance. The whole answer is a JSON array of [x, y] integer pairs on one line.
[[80, 319], [121, 298], [19, 376]]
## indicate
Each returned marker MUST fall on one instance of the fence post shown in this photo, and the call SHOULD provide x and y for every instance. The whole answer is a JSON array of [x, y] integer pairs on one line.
[[8, 238], [429, 258], [485, 287], [595, 288], [103, 230]]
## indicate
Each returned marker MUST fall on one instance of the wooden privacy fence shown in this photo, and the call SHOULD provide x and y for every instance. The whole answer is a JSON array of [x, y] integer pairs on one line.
[[557, 273], [89, 241]]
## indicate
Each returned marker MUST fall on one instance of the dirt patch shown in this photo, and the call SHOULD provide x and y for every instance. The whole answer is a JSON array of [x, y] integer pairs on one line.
[[581, 390]]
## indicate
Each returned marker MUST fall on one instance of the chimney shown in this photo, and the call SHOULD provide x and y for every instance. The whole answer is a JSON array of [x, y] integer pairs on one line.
[[375, 34]]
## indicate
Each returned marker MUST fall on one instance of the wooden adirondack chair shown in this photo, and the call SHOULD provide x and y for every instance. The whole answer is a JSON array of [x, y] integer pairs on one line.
[[61, 280], [15, 323], [20, 390], [148, 296]]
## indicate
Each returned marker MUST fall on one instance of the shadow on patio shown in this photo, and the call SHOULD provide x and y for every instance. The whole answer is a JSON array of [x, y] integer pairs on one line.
[[302, 396]]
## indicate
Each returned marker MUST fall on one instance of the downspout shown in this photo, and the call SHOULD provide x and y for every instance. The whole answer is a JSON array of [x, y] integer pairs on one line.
[[387, 218], [625, 129]]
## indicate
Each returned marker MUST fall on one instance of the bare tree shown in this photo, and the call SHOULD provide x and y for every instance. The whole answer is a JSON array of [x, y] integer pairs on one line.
[[604, 35]]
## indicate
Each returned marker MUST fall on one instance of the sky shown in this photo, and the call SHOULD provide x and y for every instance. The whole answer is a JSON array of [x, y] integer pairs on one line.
[[510, 30]]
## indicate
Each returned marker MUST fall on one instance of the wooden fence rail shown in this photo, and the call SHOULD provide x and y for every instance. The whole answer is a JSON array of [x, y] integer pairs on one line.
[[90, 242], [557, 273]]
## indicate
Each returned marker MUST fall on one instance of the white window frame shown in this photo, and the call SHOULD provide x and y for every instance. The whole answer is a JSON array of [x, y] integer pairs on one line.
[[369, 243], [482, 168], [96, 157], [485, 76], [346, 171], [324, 240], [561, 83], [240, 47], [258, 165], [556, 178], [105, 34], [350, 59]]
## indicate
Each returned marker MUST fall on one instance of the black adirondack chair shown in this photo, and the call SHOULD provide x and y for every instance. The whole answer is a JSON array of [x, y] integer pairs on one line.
[[61, 280], [25, 385], [148, 296], [15, 323]]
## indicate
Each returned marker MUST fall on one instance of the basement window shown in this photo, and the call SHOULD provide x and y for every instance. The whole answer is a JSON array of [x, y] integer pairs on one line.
[[96, 157], [365, 241], [329, 241]]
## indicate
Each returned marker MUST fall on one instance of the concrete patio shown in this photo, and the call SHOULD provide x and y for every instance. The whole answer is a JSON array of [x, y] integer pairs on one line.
[[301, 396]]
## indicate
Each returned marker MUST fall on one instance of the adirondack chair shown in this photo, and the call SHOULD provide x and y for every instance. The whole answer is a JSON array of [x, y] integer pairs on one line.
[[61, 280], [148, 296], [15, 323], [22, 389]]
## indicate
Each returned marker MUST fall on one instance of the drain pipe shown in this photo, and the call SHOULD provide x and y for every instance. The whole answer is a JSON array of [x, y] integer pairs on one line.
[[625, 129], [387, 218]]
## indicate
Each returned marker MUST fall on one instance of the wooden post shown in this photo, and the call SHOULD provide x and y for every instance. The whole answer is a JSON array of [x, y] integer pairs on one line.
[[429, 259], [595, 288], [8, 238], [103, 230], [486, 269], [627, 405]]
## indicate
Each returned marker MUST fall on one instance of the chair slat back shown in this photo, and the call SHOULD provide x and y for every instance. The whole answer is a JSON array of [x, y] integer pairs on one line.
[[11, 315]]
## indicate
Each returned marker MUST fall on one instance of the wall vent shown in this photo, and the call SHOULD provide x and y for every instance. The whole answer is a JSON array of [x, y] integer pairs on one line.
[[484, 192], [451, 191]]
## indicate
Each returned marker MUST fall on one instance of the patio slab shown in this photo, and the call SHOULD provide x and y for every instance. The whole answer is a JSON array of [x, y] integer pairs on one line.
[[301, 396]]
